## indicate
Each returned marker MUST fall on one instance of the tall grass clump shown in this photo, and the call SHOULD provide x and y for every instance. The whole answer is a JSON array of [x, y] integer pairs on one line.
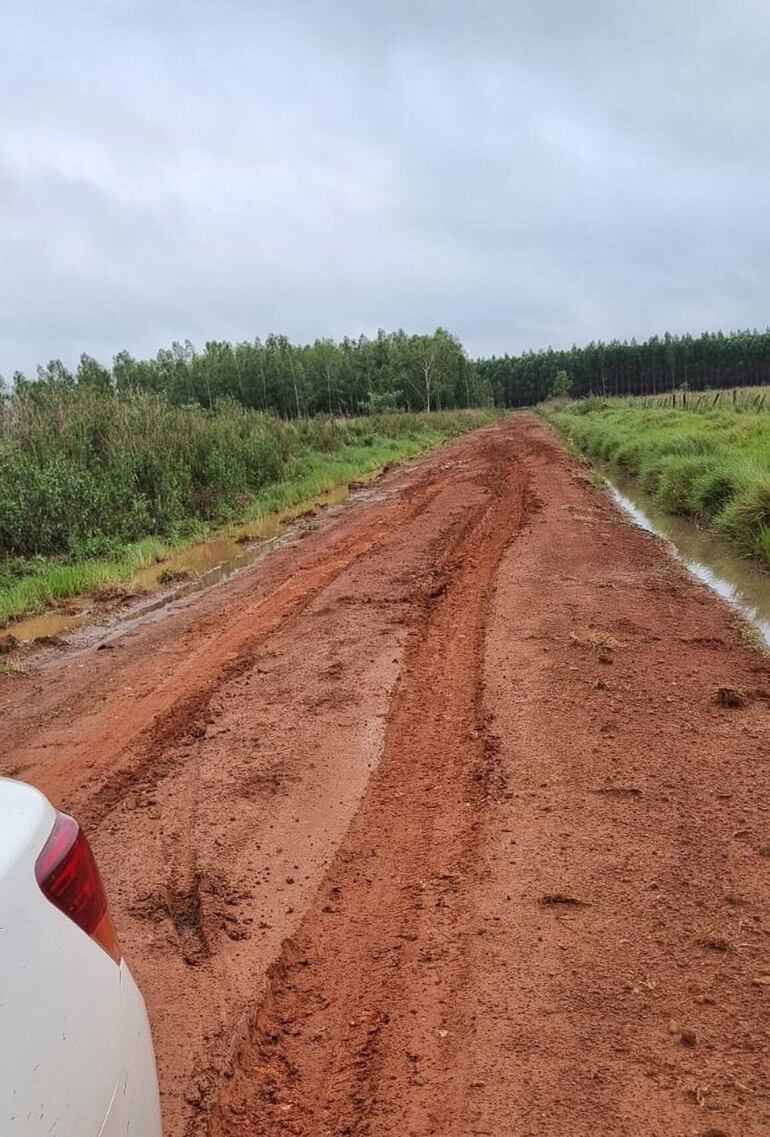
[[81, 472], [713, 465], [90, 481]]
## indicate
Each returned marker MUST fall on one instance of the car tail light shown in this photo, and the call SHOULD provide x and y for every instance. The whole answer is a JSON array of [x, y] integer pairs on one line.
[[67, 874]]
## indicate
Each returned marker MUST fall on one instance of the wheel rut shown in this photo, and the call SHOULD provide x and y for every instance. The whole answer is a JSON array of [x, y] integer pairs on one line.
[[179, 711], [366, 997]]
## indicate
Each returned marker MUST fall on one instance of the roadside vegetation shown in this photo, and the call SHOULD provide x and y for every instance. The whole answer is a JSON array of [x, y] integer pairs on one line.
[[709, 463], [104, 469], [97, 486]]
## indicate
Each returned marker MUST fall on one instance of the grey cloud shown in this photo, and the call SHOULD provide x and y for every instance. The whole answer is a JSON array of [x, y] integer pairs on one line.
[[522, 173]]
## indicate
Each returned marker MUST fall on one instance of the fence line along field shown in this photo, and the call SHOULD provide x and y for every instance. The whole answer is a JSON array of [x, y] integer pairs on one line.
[[736, 398]]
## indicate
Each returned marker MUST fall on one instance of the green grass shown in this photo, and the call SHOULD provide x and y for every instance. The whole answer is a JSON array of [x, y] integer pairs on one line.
[[710, 464], [41, 584], [316, 474], [29, 585]]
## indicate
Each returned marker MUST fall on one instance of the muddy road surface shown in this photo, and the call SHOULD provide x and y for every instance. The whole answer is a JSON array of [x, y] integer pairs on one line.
[[434, 822]]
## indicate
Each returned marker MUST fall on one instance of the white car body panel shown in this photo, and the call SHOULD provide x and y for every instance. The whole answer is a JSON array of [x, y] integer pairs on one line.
[[76, 1056]]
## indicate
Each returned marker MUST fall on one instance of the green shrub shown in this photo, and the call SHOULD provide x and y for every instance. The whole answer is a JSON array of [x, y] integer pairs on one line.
[[91, 481]]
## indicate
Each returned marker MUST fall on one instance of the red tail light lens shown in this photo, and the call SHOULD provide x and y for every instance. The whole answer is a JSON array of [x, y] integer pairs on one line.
[[67, 874]]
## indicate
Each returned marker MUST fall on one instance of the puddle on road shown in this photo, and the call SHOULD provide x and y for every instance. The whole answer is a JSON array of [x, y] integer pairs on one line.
[[185, 571], [715, 562]]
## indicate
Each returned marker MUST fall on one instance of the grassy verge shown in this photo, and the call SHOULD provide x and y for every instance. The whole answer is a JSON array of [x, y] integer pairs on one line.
[[713, 465], [32, 584], [318, 473], [35, 585]]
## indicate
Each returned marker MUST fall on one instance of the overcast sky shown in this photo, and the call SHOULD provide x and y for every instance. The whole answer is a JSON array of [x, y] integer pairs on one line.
[[522, 173]]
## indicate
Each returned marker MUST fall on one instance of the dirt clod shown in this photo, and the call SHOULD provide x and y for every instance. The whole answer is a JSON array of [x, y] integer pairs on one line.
[[731, 697], [173, 576], [561, 899]]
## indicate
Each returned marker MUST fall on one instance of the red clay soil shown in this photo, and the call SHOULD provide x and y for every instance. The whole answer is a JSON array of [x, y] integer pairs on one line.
[[433, 822]]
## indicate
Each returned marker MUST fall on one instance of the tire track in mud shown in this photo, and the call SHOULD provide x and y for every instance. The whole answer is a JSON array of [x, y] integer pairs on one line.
[[360, 1031], [149, 756]]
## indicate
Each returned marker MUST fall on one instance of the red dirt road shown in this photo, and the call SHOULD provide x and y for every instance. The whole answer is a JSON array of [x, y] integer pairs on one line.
[[431, 824]]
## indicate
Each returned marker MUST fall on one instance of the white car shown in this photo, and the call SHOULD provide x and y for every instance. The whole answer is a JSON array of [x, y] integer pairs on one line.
[[76, 1056]]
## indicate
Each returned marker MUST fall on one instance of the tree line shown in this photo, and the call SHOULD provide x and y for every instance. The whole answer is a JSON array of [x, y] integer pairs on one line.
[[393, 371], [396, 371], [663, 363]]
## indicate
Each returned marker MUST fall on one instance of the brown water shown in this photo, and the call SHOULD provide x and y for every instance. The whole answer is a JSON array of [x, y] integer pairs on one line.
[[742, 582], [193, 568]]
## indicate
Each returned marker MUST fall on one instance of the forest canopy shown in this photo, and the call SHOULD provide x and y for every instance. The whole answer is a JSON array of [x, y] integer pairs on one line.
[[662, 363], [394, 371], [397, 371]]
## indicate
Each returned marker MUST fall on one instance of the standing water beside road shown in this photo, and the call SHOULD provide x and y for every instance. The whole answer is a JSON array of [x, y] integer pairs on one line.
[[741, 581]]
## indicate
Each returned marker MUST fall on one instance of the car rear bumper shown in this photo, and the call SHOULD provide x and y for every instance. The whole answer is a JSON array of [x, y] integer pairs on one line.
[[135, 1106]]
